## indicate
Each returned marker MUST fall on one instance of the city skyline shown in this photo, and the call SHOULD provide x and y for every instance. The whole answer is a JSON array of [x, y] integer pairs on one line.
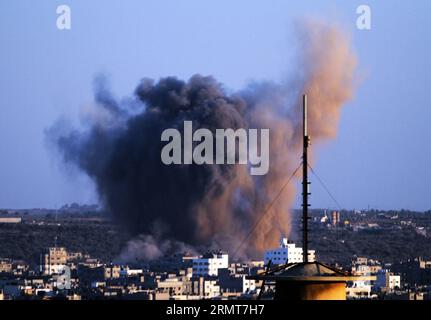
[[225, 158]]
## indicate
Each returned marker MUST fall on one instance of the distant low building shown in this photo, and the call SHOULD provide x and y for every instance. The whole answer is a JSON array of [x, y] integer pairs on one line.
[[359, 290], [360, 261], [235, 280], [362, 266], [205, 287], [113, 271], [365, 266], [5, 265], [172, 286], [387, 281], [53, 260], [363, 270], [10, 220]]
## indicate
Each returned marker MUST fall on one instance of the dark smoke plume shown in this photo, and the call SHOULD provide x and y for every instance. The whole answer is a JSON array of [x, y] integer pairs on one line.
[[210, 205]]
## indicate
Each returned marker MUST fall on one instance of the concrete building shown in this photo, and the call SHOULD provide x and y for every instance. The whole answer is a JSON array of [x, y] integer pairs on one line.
[[112, 271], [234, 280], [335, 218], [5, 265], [387, 281], [287, 253], [10, 220], [364, 270], [360, 261], [172, 286], [359, 290], [209, 264], [207, 287], [53, 260]]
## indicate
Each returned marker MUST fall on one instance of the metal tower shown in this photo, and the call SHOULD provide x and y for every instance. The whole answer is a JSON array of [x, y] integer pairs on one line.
[[305, 182]]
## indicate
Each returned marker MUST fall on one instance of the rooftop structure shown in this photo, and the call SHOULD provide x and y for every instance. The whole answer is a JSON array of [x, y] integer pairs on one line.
[[306, 280]]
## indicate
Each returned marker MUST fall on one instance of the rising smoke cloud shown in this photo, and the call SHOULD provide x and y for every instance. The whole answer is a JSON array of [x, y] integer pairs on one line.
[[210, 205]]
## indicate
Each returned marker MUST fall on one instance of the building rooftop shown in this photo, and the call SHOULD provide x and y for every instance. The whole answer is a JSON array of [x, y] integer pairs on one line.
[[311, 271]]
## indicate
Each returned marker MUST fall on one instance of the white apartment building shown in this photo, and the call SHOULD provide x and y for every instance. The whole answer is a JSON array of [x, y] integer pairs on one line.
[[287, 253], [209, 264]]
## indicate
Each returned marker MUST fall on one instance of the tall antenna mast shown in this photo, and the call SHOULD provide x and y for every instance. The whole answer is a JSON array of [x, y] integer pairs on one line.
[[305, 182]]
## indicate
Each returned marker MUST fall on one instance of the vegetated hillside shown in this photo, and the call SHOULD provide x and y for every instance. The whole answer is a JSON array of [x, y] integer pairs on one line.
[[388, 236], [385, 245], [25, 241], [394, 236]]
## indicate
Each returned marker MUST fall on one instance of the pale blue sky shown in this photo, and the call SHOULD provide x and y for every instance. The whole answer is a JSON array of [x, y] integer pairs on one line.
[[381, 157]]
